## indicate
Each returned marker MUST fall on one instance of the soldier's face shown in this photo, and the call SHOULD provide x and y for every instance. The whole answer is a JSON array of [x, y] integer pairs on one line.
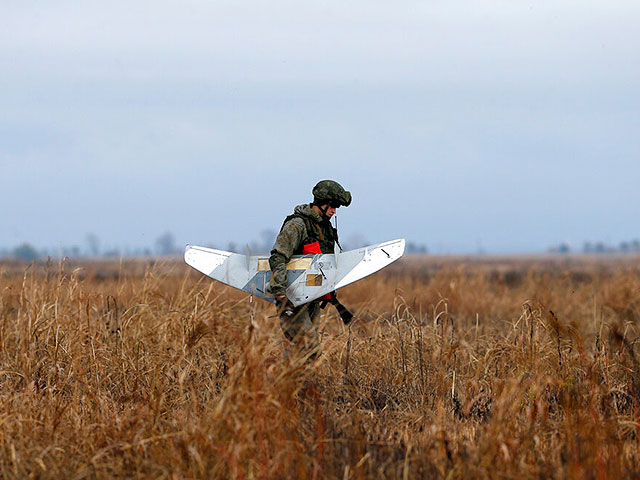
[[330, 211]]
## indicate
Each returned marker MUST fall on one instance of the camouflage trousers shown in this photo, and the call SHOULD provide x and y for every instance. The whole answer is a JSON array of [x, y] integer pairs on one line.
[[300, 327]]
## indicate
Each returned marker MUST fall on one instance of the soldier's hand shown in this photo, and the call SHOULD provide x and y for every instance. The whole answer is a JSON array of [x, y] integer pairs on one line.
[[284, 306]]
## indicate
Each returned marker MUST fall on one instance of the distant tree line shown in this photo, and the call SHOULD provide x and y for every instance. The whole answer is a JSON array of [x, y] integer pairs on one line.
[[166, 245], [631, 246]]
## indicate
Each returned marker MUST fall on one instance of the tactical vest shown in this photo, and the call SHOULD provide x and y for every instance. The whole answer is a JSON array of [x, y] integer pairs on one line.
[[317, 239]]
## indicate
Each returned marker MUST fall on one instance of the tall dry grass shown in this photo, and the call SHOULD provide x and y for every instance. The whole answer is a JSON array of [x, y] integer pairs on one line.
[[456, 368]]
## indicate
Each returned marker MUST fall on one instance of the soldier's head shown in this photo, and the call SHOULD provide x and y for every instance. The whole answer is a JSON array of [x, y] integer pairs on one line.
[[328, 196]]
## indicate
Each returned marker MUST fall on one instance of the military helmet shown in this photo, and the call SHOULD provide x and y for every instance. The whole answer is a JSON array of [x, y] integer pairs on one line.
[[328, 192]]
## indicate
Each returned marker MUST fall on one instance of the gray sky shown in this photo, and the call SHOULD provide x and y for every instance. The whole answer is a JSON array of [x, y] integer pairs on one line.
[[505, 125]]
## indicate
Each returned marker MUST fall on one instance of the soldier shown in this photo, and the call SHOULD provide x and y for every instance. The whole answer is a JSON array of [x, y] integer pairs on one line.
[[307, 230]]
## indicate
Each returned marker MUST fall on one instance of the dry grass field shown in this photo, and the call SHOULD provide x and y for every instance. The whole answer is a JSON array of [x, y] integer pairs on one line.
[[455, 368]]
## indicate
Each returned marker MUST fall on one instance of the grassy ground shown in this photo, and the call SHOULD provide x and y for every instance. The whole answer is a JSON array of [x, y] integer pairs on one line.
[[456, 368]]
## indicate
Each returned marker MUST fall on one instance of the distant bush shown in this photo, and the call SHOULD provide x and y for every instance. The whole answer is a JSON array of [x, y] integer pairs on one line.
[[414, 248], [25, 252], [561, 248]]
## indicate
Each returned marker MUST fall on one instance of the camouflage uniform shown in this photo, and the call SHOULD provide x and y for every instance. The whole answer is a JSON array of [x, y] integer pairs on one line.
[[306, 231], [304, 227]]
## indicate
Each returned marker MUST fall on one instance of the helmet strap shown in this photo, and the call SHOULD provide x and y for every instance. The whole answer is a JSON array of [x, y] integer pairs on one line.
[[319, 204]]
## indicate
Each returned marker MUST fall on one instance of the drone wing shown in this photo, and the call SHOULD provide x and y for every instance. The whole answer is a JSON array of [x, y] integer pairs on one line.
[[226, 267], [309, 276]]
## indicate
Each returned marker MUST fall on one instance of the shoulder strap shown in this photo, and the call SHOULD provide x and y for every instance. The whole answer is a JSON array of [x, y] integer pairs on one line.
[[312, 229], [296, 215]]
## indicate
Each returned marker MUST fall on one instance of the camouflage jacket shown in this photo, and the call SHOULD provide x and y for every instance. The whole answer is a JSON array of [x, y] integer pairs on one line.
[[304, 227]]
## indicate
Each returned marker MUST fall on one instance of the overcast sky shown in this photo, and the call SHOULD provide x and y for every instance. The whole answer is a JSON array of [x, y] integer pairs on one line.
[[501, 125]]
